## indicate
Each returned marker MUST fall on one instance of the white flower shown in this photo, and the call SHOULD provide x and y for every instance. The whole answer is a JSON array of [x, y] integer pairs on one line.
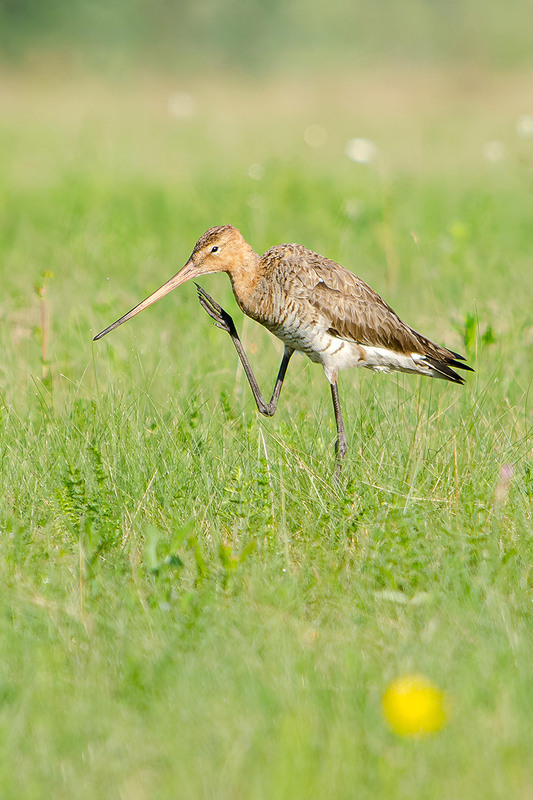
[[362, 151], [181, 105], [493, 151], [524, 125], [256, 171]]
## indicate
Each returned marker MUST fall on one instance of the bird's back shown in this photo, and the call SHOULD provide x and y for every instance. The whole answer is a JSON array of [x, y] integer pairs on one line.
[[322, 309]]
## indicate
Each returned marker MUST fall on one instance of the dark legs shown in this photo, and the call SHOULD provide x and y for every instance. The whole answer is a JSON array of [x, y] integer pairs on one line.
[[224, 321], [341, 445]]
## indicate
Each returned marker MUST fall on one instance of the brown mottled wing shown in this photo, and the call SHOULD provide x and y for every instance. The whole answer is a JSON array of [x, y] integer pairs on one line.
[[357, 313]]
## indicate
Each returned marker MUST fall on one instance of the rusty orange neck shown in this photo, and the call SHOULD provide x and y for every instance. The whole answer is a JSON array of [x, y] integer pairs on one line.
[[245, 273]]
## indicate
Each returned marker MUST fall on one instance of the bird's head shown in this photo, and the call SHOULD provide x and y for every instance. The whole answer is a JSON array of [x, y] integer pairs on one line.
[[219, 249]]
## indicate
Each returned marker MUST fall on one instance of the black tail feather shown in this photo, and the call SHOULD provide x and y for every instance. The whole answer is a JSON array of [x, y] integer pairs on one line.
[[444, 368], [459, 365], [455, 363]]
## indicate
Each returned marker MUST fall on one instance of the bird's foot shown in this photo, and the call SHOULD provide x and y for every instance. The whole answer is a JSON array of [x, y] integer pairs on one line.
[[221, 318]]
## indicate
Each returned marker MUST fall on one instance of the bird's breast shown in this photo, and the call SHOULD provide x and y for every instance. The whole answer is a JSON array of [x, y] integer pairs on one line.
[[289, 316], [282, 306]]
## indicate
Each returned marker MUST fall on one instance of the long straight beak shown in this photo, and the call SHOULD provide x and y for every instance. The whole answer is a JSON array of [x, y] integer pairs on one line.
[[186, 273]]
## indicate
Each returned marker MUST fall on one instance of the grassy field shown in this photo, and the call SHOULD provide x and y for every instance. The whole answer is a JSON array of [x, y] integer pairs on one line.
[[190, 606]]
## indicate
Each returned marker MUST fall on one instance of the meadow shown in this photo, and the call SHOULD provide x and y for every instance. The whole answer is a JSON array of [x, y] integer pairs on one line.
[[190, 605]]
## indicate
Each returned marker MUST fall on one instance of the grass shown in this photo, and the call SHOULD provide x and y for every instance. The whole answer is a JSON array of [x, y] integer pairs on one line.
[[189, 605]]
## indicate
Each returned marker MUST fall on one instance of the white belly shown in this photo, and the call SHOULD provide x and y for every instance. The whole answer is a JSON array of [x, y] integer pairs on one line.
[[336, 354]]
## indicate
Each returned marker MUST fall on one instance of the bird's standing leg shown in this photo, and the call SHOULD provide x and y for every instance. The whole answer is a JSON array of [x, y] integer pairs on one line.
[[224, 321], [341, 445]]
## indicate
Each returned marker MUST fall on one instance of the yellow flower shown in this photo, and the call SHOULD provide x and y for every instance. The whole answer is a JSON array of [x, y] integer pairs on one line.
[[413, 706]]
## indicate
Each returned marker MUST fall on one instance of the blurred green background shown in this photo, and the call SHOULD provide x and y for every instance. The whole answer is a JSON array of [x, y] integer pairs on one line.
[[263, 35]]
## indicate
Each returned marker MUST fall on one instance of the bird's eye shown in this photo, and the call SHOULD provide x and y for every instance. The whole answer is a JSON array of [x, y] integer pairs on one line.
[[214, 249]]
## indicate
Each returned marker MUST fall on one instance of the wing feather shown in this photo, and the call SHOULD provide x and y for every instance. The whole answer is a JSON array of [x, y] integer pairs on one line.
[[358, 313], [351, 310]]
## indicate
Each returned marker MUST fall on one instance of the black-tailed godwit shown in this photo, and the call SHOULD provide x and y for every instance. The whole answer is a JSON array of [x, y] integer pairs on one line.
[[314, 306]]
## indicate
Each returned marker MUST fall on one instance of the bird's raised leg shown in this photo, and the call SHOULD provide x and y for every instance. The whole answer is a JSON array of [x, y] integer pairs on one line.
[[341, 445], [224, 321]]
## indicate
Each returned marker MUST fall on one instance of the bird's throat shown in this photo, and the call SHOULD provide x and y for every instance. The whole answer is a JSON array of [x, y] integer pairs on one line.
[[245, 279]]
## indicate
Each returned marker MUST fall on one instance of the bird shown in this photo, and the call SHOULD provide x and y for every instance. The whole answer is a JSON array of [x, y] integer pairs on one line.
[[316, 307]]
